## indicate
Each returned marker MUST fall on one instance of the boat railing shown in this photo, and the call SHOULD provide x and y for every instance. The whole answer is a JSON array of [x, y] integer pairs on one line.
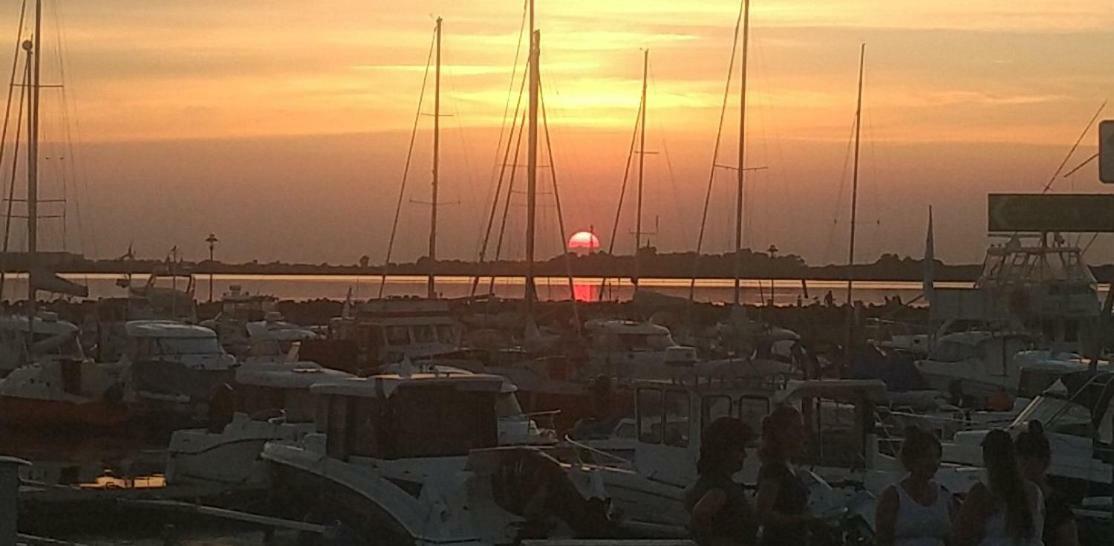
[[625, 463]]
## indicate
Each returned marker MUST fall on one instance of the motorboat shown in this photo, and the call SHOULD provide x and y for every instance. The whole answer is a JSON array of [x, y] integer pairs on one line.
[[173, 369], [246, 318], [45, 336], [628, 350], [59, 386], [273, 402], [415, 459], [1076, 413], [385, 331], [844, 447]]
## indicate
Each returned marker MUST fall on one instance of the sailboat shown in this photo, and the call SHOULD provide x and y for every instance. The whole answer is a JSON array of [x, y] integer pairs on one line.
[[53, 384]]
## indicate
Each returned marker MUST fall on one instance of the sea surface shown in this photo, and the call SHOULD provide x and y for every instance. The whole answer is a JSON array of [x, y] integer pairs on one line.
[[337, 287]]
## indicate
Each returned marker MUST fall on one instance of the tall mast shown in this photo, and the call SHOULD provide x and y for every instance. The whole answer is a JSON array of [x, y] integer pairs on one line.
[[741, 172], [33, 153], [431, 290], [854, 207], [532, 165], [641, 169]]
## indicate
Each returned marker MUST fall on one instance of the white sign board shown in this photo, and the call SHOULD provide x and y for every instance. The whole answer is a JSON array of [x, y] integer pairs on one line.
[[1106, 151]]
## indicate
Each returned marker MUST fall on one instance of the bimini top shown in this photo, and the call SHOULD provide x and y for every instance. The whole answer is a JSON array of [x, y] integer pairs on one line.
[[629, 327], [384, 386], [45, 323], [166, 328]]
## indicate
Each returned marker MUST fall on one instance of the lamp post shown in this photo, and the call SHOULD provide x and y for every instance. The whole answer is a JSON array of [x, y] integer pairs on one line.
[[773, 258], [212, 240]]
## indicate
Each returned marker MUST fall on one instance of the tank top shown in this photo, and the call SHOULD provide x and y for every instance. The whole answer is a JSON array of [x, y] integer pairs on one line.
[[996, 534], [920, 525], [735, 523]]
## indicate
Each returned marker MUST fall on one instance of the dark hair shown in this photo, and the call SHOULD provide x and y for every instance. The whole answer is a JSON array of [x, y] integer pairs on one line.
[[1006, 482], [1033, 444], [723, 436], [917, 443], [773, 426]]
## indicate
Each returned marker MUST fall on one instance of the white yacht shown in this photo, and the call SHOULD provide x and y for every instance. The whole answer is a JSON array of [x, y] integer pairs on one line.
[[1077, 414], [387, 331], [173, 368], [273, 403], [23, 340], [59, 386], [635, 350], [415, 459]]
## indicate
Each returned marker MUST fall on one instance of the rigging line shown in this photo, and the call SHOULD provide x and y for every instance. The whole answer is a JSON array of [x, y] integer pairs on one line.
[[506, 106], [668, 161], [11, 84], [557, 202], [406, 168], [715, 156], [506, 207], [623, 189], [839, 194], [499, 184], [68, 149], [80, 170], [11, 186], [1071, 152]]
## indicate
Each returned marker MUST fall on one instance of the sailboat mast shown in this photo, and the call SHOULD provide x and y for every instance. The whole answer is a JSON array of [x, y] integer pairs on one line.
[[33, 152], [431, 289], [532, 164], [854, 205], [741, 172], [641, 170]]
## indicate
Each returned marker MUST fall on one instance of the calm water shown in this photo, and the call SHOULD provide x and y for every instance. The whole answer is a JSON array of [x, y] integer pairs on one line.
[[308, 287]]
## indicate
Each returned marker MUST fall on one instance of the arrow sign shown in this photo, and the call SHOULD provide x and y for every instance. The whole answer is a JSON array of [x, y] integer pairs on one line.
[[1106, 151], [1044, 213]]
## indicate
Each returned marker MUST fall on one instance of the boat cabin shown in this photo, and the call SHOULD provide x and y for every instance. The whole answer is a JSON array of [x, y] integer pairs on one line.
[[403, 417], [630, 349], [263, 389], [175, 362], [670, 418], [389, 330]]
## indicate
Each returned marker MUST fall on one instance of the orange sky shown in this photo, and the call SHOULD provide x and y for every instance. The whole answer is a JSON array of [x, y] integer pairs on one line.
[[962, 97]]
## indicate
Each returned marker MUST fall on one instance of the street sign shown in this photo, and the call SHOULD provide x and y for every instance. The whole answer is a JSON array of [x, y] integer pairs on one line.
[[1106, 151], [1063, 212]]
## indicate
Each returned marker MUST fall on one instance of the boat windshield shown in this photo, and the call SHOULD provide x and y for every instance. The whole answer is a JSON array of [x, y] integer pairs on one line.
[[645, 342], [188, 346], [506, 405], [1057, 415]]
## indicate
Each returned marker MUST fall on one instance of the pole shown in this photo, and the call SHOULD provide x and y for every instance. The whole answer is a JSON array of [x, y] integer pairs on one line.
[[33, 156], [741, 173], [532, 168], [210, 272], [431, 290], [641, 170], [854, 209]]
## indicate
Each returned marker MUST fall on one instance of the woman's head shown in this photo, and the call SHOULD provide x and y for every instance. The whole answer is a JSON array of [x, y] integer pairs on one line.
[[920, 453], [1006, 482], [723, 446], [783, 434], [1034, 453]]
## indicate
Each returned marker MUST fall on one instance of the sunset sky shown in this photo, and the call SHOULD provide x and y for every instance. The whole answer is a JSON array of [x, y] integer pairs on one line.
[[282, 126]]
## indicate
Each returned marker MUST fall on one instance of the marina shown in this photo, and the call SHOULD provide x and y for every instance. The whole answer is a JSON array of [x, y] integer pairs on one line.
[[493, 388]]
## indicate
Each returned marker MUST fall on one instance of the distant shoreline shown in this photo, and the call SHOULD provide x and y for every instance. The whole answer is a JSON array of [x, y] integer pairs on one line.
[[889, 267]]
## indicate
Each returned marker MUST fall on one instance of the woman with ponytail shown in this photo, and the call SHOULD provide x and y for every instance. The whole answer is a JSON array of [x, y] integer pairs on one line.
[[916, 511], [1008, 510], [719, 512], [782, 499], [1034, 455]]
